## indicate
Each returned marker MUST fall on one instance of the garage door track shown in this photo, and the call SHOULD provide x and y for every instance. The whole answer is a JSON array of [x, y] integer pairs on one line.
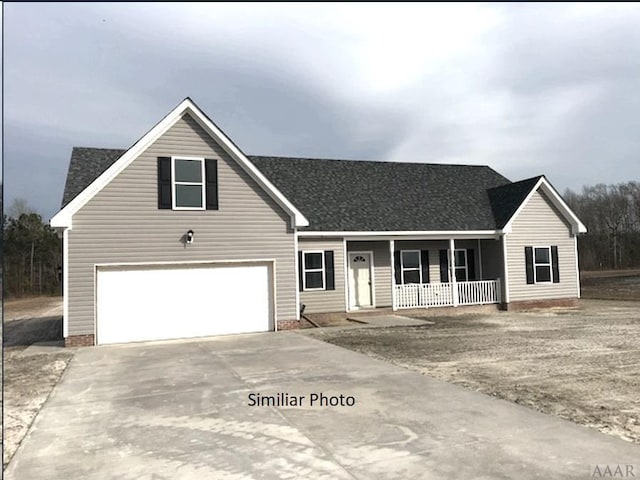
[[181, 410]]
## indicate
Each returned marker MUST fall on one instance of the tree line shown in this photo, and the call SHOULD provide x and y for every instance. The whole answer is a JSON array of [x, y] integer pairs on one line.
[[612, 216], [32, 254]]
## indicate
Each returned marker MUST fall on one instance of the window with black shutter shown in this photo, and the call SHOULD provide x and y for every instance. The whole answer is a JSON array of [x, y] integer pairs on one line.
[[317, 270], [186, 183], [412, 266], [541, 264]]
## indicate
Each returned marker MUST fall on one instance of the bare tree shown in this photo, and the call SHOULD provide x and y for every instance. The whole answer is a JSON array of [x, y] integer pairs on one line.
[[18, 207]]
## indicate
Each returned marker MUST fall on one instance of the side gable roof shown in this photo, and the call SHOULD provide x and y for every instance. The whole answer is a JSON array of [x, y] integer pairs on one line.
[[341, 195], [365, 196], [64, 217]]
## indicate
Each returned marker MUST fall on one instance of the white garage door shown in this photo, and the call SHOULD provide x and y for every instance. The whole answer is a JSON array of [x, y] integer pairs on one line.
[[164, 302]]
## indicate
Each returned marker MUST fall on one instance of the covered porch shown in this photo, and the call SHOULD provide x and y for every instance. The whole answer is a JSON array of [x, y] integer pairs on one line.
[[423, 272]]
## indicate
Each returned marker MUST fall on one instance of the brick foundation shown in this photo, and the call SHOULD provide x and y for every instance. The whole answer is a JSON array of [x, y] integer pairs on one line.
[[524, 305], [288, 324], [79, 341]]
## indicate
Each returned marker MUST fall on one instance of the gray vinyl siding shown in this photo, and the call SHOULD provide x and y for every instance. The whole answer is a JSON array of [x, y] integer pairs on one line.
[[540, 224], [319, 301], [381, 269], [122, 224]]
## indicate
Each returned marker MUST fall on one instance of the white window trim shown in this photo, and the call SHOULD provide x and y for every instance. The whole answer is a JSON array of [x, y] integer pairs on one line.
[[410, 269], [550, 265], [310, 270], [466, 264], [201, 184]]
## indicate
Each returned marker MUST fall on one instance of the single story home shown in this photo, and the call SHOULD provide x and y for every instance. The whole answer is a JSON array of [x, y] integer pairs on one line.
[[184, 235]]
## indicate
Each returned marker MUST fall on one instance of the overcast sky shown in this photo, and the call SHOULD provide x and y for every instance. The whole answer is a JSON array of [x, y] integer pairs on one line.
[[525, 89]]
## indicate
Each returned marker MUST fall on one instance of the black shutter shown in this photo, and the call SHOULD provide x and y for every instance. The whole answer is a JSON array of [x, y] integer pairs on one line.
[[398, 270], [164, 182], [444, 266], [211, 185], [424, 260], [471, 265], [528, 258], [329, 278], [300, 270], [554, 264]]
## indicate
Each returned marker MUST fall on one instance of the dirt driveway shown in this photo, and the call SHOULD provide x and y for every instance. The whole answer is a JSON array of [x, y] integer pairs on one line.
[[581, 364], [34, 360]]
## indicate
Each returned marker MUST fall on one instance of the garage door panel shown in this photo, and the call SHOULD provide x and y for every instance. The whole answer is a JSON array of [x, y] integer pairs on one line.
[[137, 304]]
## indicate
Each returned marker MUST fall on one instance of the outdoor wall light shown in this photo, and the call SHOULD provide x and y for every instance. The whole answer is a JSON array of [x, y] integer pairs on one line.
[[190, 237]]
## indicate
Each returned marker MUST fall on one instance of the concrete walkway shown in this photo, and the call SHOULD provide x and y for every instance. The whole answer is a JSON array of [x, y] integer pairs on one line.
[[179, 410]]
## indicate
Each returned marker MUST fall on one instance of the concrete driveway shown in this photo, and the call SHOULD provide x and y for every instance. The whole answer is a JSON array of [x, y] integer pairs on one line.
[[179, 410]]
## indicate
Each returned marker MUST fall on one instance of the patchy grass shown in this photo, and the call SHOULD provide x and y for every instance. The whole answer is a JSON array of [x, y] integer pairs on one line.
[[34, 362]]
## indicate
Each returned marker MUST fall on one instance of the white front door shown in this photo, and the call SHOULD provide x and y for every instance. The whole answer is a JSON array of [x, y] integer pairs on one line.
[[360, 293]]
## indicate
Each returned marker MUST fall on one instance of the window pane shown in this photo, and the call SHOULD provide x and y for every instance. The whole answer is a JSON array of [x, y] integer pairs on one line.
[[542, 255], [411, 276], [312, 260], [188, 196], [543, 274], [313, 280], [188, 171], [410, 259], [461, 258], [461, 274]]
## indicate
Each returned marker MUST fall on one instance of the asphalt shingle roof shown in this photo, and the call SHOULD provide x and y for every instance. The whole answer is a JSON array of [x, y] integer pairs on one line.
[[506, 199], [85, 166], [350, 195], [347, 195]]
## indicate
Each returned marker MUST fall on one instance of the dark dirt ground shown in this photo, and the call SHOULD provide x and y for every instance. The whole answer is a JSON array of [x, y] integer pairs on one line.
[[580, 363], [611, 284], [31, 368]]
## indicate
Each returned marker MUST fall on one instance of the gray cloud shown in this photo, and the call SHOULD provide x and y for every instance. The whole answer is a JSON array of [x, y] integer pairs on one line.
[[538, 89]]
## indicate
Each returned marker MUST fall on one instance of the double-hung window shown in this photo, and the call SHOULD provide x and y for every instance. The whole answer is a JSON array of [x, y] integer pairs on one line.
[[542, 264], [188, 187], [461, 265], [411, 266], [313, 270]]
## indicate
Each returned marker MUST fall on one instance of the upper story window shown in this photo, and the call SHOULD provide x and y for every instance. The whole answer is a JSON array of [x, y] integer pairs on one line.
[[188, 183]]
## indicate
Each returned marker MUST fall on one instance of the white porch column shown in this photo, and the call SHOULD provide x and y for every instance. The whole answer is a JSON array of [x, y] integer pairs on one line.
[[393, 275], [452, 272], [480, 260]]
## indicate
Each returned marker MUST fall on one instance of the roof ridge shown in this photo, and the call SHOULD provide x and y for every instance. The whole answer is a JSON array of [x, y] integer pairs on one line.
[[98, 148], [519, 182], [394, 162]]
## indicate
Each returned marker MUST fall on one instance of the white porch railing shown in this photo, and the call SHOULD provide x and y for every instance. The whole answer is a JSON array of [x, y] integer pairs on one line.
[[416, 295]]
